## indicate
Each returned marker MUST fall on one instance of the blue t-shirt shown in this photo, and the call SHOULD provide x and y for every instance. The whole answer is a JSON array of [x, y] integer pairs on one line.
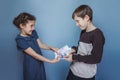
[[30, 41], [33, 69]]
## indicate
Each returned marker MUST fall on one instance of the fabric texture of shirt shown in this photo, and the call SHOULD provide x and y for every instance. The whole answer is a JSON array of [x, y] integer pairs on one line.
[[89, 53], [32, 68]]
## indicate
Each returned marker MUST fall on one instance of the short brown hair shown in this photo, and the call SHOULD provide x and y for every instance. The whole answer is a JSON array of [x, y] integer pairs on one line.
[[83, 10]]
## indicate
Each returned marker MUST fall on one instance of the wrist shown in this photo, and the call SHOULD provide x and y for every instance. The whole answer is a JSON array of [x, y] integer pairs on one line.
[[50, 48], [49, 61]]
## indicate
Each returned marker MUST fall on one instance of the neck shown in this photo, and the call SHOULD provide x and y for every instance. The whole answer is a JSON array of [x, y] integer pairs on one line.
[[90, 27], [23, 34]]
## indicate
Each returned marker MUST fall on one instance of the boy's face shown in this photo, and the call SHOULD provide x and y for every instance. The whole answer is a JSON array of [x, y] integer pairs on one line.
[[27, 28], [81, 22]]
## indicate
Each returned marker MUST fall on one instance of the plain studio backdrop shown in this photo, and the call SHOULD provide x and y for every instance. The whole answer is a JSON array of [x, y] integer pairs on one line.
[[55, 27]]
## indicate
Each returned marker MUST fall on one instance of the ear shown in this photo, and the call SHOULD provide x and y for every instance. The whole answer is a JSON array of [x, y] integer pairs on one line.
[[87, 18], [21, 26]]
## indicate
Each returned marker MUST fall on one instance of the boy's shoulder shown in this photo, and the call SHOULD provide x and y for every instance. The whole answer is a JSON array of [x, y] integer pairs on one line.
[[98, 30]]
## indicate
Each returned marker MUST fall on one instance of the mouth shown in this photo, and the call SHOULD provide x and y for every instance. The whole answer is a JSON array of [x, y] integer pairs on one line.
[[31, 30]]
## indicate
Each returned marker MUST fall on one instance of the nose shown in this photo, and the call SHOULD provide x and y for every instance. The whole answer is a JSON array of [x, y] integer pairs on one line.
[[77, 24], [33, 28]]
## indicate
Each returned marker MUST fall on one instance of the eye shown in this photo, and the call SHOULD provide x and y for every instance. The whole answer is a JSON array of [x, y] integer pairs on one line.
[[32, 25], [76, 21]]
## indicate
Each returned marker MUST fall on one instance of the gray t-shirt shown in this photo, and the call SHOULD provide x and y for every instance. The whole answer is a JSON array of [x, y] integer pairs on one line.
[[89, 53]]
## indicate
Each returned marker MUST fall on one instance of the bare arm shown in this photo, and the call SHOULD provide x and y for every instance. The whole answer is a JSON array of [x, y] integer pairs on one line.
[[32, 53], [44, 46]]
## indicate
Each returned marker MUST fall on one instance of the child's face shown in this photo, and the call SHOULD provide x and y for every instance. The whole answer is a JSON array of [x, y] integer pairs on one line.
[[27, 28], [81, 22]]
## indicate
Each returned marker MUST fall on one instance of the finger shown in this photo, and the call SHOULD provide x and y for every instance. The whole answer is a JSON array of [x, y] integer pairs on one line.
[[65, 59], [66, 56]]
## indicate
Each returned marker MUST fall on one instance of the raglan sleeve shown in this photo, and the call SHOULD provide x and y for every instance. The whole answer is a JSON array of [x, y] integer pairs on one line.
[[96, 53]]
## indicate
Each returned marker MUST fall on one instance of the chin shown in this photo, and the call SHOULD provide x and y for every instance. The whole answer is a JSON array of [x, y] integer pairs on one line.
[[82, 29], [30, 34]]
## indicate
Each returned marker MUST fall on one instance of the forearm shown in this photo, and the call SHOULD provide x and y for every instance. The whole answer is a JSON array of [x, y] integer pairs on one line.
[[93, 58], [35, 55], [90, 59], [40, 58], [43, 46], [46, 47]]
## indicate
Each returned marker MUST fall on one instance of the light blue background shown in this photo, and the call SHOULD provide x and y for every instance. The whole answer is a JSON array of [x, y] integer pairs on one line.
[[55, 27]]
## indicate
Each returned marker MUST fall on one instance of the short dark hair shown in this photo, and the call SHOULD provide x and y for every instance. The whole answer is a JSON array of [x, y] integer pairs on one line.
[[23, 18], [83, 10]]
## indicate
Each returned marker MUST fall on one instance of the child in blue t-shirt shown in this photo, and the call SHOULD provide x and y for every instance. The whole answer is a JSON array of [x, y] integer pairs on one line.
[[29, 42]]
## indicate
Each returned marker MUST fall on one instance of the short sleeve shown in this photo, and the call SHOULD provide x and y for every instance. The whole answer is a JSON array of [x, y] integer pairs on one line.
[[35, 34], [22, 44]]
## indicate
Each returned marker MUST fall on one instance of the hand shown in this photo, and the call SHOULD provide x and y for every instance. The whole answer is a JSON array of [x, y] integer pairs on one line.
[[68, 58], [55, 60], [72, 51], [55, 50]]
